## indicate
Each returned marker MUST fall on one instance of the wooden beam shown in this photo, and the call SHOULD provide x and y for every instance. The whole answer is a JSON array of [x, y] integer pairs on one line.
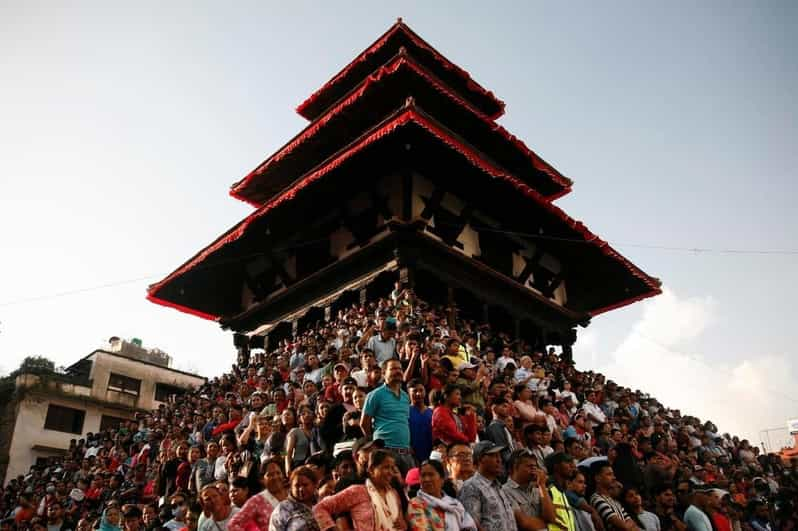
[[432, 204], [530, 265], [407, 195]]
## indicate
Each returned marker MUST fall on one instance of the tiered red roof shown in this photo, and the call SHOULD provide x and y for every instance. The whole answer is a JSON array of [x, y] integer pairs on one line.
[[367, 104]]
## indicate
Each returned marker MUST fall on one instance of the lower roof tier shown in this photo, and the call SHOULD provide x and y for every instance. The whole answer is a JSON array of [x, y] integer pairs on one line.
[[410, 171], [414, 253]]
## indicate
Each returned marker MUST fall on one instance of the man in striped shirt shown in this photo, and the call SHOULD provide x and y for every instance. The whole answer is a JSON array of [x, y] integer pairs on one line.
[[611, 512]]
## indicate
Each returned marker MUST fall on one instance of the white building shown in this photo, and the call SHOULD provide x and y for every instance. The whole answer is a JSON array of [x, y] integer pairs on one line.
[[97, 392]]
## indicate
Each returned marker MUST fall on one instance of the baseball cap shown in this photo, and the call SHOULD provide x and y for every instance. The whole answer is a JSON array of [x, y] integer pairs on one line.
[[341, 447], [466, 365], [413, 477], [485, 447]]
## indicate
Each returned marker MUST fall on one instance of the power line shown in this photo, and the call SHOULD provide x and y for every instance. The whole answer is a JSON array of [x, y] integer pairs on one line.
[[118, 283], [75, 291], [694, 250], [299, 244]]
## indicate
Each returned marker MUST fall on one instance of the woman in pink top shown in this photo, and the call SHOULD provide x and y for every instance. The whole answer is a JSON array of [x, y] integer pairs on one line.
[[374, 506], [256, 512], [524, 404]]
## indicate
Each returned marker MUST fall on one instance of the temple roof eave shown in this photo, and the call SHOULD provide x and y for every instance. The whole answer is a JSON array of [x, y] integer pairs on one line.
[[408, 115]]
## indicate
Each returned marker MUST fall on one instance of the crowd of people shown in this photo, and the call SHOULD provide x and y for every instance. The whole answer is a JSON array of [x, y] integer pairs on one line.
[[397, 414]]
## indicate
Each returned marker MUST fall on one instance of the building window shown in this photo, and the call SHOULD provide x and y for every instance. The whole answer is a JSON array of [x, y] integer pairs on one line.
[[164, 391], [108, 422], [125, 384], [66, 419]]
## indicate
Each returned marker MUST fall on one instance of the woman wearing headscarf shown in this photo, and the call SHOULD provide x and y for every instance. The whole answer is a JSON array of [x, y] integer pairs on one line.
[[111, 519], [432, 509]]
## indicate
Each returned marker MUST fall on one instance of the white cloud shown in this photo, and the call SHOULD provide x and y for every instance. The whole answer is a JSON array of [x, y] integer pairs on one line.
[[741, 398], [672, 321], [586, 353]]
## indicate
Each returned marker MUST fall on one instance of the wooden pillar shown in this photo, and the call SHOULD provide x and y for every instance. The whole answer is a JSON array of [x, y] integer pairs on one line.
[[407, 195], [243, 356], [540, 343], [407, 276], [450, 303], [568, 340]]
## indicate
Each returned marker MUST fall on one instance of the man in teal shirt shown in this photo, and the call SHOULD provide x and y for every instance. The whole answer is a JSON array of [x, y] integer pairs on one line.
[[386, 415]]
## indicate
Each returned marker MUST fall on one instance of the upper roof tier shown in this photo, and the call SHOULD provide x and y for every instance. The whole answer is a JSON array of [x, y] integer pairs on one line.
[[376, 55], [379, 94]]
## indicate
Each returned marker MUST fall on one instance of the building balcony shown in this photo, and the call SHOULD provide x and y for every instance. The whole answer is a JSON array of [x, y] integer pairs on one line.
[[76, 388], [60, 384]]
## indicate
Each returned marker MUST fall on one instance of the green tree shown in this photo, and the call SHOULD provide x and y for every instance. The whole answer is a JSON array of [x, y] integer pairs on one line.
[[35, 365], [31, 364]]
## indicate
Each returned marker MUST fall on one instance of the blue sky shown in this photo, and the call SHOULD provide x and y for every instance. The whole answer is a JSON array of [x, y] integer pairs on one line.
[[123, 125]]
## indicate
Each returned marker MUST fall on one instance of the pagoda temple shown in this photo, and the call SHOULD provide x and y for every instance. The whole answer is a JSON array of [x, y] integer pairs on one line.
[[404, 174]]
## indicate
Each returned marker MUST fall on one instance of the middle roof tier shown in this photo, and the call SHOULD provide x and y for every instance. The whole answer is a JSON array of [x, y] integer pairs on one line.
[[368, 104]]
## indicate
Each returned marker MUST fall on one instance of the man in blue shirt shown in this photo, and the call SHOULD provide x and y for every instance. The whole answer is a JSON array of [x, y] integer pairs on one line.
[[420, 421], [386, 415], [381, 341]]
